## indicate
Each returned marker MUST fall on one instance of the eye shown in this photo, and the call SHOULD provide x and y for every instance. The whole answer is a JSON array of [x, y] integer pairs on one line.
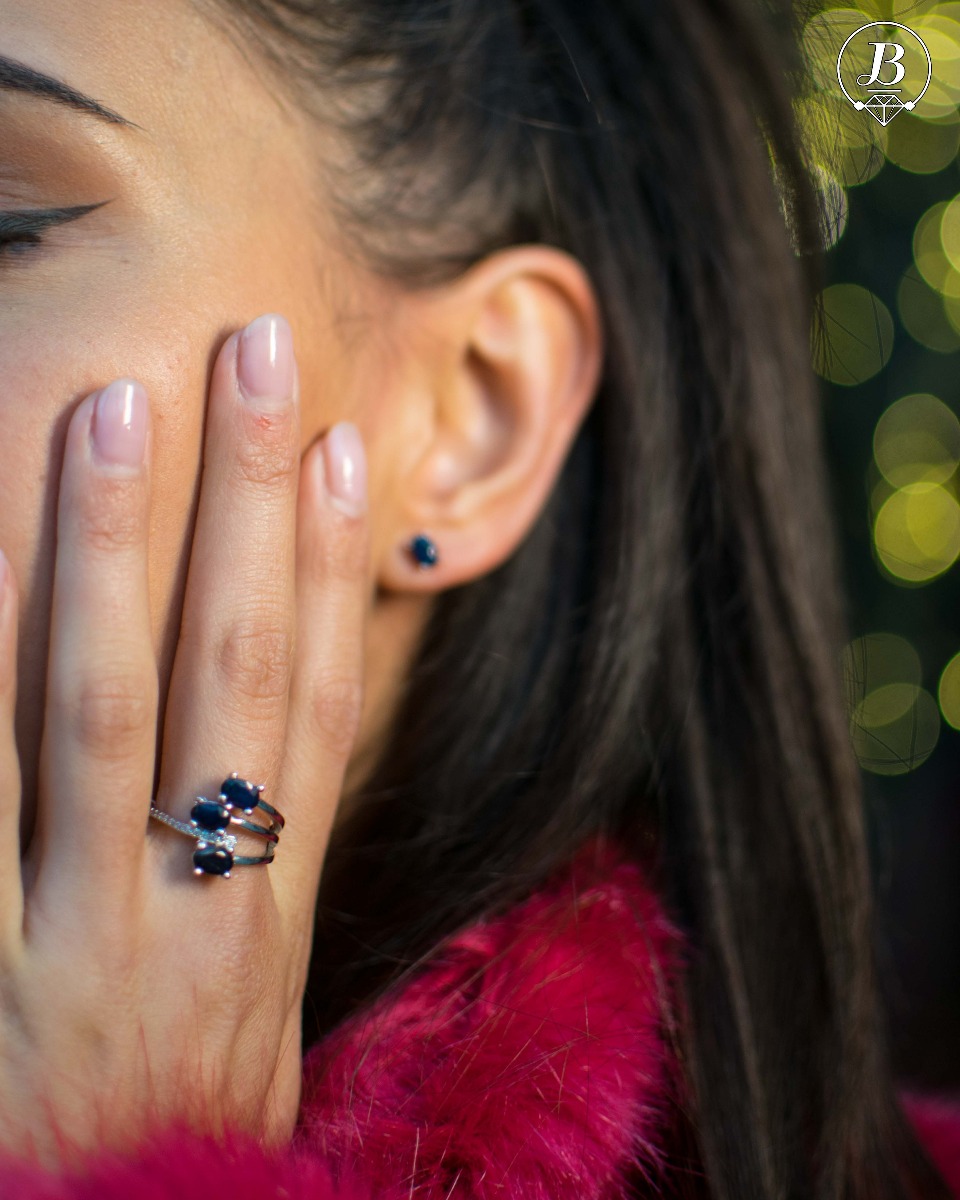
[[22, 233], [19, 245]]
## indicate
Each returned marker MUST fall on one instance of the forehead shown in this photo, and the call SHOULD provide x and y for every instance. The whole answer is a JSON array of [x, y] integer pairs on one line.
[[160, 64], [212, 139]]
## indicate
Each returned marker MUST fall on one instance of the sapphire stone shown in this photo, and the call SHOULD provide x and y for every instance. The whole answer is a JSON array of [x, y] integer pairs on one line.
[[238, 793], [210, 815], [212, 860], [423, 550]]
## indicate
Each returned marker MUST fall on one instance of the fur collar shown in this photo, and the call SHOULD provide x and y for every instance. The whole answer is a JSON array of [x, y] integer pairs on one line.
[[528, 1062]]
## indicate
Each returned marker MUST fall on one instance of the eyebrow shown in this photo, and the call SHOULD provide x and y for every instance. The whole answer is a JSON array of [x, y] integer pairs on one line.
[[18, 77]]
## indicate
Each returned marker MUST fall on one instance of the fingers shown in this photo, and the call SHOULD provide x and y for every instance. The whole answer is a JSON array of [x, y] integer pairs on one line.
[[99, 740], [11, 889], [229, 690], [333, 594]]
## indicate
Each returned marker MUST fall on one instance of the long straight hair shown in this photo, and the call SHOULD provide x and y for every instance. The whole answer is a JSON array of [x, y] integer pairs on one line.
[[660, 659]]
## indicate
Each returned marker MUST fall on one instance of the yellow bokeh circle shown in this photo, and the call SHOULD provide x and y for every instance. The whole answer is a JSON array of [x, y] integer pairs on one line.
[[895, 728], [916, 533], [855, 340], [948, 692], [917, 440]]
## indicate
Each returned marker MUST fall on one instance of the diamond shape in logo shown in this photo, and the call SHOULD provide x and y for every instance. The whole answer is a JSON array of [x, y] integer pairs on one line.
[[884, 106]]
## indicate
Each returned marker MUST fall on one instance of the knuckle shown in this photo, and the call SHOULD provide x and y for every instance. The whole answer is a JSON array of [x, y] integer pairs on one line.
[[113, 516], [254, 658], [340, 554], [105, 715], [336, 702], [267, 454]]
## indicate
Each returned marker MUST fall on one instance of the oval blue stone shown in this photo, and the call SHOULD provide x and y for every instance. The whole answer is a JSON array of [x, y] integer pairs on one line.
[[424, 550], [238, 793], [213, 860], [210, 815]]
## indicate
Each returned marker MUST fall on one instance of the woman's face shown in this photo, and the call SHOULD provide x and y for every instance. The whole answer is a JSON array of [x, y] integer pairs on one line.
[[211, 211], [208, 217]]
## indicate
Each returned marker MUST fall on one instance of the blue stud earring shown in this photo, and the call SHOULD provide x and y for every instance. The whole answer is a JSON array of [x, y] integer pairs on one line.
[[423, 550]]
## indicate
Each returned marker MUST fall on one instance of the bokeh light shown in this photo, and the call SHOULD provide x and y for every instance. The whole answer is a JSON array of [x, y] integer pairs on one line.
[[948, 692], [839, 139], [917, 440], [922, 145], [877, 659], [894, 721], [929, 250], [925, 313], [916, 533], [857, 334], [913, 480], [893, 444]]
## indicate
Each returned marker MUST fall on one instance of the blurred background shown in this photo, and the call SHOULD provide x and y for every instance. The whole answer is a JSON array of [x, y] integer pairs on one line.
[[890, 364]]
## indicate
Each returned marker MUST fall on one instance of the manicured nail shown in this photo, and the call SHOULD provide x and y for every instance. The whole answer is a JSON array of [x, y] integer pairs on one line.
[[119, 426], [265, 366], [345, 468]]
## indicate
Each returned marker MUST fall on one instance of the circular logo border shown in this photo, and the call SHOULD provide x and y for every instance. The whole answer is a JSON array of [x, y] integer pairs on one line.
[[859, 104]]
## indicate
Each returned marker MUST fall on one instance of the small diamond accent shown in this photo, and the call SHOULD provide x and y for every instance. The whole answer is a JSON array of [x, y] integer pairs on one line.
[[225, 841]]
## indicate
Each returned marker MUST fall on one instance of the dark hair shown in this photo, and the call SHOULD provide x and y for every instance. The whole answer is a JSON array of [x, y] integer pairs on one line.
[[660, 658]]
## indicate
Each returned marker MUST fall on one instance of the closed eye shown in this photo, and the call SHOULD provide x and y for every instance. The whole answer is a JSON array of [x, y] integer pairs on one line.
[[22, 232]]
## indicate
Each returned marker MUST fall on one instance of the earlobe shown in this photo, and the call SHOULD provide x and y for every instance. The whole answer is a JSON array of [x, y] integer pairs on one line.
[[515, 349]]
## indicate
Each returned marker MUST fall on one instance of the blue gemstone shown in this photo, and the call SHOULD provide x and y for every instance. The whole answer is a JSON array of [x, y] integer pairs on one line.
[[238, 793], [213, 860], [424, 550], [210, 815]]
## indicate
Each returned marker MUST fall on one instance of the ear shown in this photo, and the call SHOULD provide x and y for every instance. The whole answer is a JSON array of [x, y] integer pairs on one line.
[[511, 354]]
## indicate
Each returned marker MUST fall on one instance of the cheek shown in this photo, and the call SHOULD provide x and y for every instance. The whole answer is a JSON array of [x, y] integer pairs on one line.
[[48, 366], [161, 318]]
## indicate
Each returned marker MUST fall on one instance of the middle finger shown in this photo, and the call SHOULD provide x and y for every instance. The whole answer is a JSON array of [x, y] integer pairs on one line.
[[228, 698]]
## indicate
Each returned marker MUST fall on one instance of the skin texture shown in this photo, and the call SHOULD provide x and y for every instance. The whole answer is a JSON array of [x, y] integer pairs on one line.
[[467, 397]]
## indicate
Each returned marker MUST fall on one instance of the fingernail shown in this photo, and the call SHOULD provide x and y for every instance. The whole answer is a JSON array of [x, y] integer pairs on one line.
[[345, 466], [265, 367], [119, 426]]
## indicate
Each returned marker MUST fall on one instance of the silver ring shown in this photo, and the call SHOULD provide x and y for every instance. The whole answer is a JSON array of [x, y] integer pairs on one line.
[[209, 820]]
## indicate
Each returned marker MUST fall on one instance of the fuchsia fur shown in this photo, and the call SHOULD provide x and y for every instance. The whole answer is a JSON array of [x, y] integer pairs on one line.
[[526, 1063]]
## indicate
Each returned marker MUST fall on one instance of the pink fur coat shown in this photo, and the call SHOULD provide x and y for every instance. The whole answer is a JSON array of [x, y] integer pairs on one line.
[[527, 1063]]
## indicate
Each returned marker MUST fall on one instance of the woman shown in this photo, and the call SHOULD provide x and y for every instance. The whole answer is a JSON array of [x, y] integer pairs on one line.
[[488, 568]]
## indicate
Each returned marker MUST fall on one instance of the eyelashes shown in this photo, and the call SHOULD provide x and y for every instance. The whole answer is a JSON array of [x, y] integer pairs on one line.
[[21, 233]]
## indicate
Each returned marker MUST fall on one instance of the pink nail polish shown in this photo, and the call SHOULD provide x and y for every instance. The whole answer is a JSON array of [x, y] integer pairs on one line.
[[345, 466], [265, 366], [119, 425]]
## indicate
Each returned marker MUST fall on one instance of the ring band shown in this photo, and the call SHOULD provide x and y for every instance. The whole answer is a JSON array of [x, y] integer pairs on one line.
[[209, 820]]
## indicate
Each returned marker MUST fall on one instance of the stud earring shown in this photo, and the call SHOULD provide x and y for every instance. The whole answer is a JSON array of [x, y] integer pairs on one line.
[[423, 551]]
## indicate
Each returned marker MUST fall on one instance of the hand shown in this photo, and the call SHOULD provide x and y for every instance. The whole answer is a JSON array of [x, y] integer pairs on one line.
[[134, 993]]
